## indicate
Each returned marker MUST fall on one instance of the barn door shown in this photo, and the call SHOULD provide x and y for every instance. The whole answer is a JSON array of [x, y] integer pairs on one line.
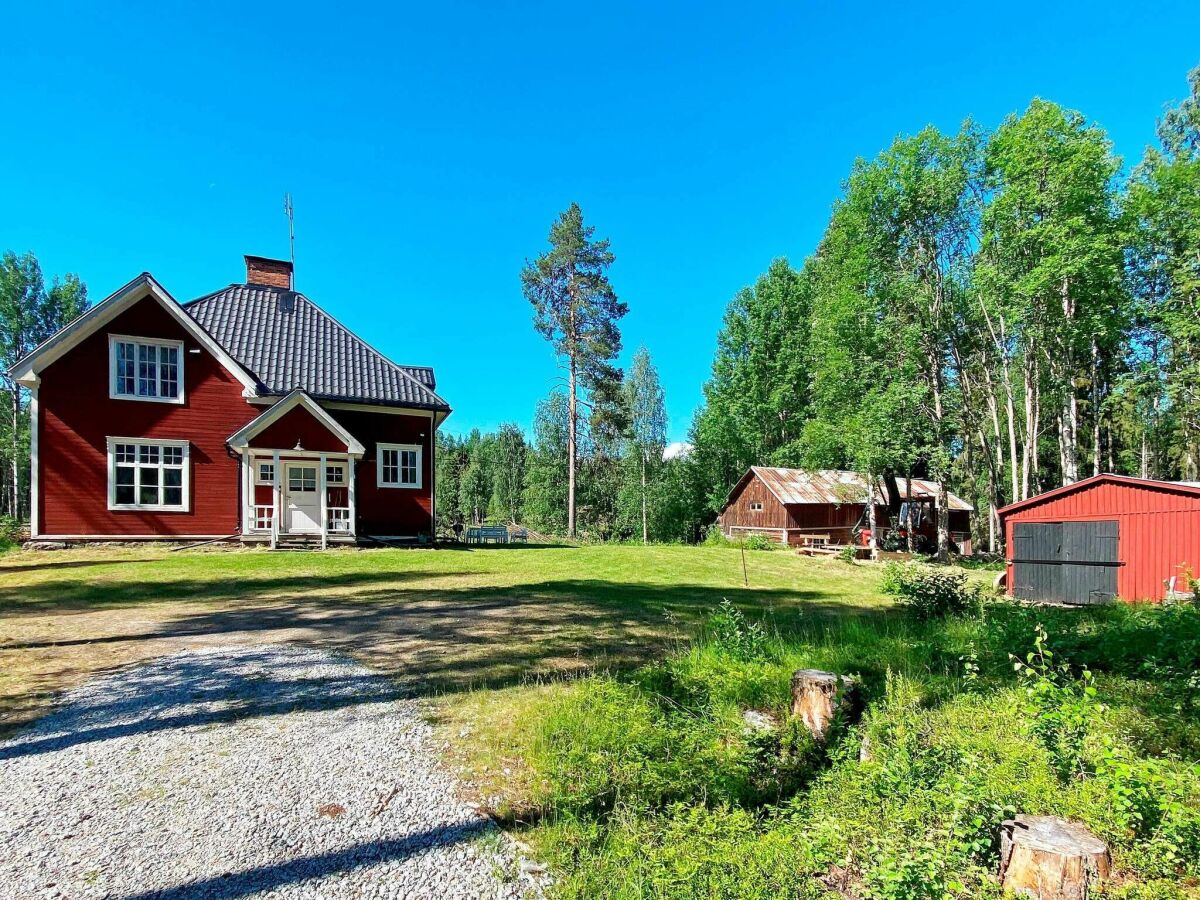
[[1065, 562], [1089, 562], [1037, 561]]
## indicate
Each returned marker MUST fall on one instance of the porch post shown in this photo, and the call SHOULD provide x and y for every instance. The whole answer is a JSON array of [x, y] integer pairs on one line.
[[248, 492], [276, 498], [324, 494], [353, 477]]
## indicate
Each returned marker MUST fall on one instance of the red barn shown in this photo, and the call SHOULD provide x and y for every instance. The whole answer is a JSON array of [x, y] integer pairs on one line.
[[1104, 537], [249, 412], [794, 506]]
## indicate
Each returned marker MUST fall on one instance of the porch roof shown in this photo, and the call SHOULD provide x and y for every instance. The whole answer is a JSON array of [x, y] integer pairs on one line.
[[297, 399]]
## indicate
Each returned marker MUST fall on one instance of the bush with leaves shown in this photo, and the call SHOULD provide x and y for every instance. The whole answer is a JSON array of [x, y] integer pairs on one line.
[[1061, 707], [759, 542], [10, 530], [732, 634], [930, 592]]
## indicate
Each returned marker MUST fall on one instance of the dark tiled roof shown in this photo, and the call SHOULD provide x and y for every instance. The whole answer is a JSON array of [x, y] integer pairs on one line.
[[286, 341]]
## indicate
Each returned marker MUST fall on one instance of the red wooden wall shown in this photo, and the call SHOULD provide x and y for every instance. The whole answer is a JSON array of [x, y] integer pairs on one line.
[[76, 416], [390, 511], [1158, 530], [297, 424]]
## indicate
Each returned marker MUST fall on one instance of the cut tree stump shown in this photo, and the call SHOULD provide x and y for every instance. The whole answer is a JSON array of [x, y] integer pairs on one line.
[[820, 697], [1048, 858]]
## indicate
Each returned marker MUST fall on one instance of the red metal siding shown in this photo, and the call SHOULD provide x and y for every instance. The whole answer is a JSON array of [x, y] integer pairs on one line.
[[76, 416], [390, 511], [1159, 531], [298, 424]]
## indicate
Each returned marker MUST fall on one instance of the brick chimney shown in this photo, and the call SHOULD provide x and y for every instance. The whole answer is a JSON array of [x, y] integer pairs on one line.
[[272, 272]]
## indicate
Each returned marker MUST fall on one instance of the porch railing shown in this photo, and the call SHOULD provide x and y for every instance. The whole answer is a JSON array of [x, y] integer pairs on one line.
[[264, 517], [338, 521]]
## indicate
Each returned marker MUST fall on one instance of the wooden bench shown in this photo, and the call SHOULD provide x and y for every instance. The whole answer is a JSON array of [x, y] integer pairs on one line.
[[487, 534], [519, 535], [815, 545]]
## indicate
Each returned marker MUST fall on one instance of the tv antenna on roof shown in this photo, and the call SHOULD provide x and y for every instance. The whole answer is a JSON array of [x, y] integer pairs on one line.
[[291, 217]]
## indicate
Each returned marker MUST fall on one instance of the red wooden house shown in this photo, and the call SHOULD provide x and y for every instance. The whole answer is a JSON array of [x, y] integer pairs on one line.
[[249, 412], [1104, 537], [794, 506]]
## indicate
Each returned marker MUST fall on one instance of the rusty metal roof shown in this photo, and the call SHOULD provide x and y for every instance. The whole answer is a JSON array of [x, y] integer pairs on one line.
[[834, 486]]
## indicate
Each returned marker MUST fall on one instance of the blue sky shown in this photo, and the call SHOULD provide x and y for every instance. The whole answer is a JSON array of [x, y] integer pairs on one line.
[[428, 148]]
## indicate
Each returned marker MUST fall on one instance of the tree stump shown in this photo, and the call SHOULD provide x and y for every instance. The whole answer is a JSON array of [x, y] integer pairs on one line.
[[820, 697], [1048, 858]]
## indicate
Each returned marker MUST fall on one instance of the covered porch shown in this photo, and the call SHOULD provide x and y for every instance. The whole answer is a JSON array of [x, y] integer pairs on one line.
[[303, 492], [297, 494]]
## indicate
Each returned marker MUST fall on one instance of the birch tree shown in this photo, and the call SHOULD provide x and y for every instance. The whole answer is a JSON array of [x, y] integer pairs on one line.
[[29, 313], [647, 428]]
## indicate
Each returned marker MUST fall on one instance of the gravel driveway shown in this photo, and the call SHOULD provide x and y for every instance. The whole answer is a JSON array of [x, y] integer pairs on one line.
[[241, 772]]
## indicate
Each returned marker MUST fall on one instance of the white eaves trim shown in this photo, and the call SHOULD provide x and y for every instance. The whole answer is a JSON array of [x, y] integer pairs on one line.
[[25, 371], [240, 441]]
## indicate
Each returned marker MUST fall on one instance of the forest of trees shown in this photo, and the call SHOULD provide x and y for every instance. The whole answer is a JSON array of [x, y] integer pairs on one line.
[[1003, 312]]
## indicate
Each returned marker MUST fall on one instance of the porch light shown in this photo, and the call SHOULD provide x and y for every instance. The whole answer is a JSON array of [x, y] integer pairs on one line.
[[297, 447]]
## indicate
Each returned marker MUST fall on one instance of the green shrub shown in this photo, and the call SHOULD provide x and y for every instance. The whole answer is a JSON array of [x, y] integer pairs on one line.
[[10, 531], [714, 537], [1061, 708], [930, 592], [759, 542], [732, 634], [848, 554]]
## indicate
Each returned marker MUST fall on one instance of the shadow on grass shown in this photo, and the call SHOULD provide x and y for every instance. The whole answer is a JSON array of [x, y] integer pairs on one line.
[[432, 636]]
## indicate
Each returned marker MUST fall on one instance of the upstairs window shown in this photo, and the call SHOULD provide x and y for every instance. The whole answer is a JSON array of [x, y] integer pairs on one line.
[[147, 474], [399, 465], [145, 369], [756, 506]]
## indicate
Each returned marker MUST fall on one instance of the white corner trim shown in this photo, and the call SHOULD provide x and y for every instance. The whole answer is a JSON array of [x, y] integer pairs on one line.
[[114, 339], [113, 505], [417, 448], [34, 464], [58, 345], [240, 440]]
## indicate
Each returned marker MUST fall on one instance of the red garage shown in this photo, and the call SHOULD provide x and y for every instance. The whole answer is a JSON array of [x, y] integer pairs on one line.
[[1103, 537]]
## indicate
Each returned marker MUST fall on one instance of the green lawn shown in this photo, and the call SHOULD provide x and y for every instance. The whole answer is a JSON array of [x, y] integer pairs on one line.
[[592, 700], [443, 620]]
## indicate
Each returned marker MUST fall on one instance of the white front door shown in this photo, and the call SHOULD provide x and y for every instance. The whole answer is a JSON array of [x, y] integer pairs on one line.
[[301, 500]]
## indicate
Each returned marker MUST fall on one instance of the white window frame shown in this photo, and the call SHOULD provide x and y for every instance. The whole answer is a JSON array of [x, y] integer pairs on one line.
[[114, 394], [186, 479], [340, 468], [415, 448], [258, 472], [756, 506]]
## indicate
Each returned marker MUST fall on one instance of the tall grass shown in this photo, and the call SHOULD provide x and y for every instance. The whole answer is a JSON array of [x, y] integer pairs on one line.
[[652, 785]]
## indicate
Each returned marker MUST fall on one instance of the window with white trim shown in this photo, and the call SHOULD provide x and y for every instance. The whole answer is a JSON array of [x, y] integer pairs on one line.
[[398, 465], [756, 506], [145, 369], [335, 473], [266, 473], [148, 474]]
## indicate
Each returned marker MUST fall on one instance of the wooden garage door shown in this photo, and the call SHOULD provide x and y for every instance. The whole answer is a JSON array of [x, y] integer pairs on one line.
[[1065, 562]]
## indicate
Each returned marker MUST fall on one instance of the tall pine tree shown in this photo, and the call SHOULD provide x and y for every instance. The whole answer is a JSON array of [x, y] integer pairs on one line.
[[577, 311]]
